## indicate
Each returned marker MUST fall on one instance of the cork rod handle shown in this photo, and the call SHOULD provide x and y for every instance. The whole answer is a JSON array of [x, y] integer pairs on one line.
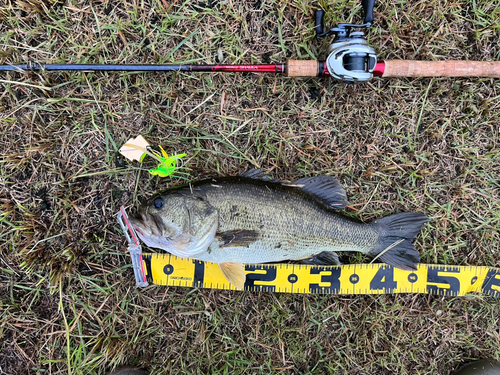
[[409, 68], [302, 68]]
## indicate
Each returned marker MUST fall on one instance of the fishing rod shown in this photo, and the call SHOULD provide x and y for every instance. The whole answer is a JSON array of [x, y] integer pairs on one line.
[[350, 59]]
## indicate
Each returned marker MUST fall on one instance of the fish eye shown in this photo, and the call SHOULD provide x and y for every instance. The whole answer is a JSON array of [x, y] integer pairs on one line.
[[158, 202]]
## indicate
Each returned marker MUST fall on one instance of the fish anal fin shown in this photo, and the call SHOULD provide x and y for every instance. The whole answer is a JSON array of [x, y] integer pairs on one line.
[[237, 238], [325, 258], [325, 189], [234, 273]]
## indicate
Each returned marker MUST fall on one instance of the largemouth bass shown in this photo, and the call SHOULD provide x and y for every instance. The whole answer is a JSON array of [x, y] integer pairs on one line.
[[254, 219]]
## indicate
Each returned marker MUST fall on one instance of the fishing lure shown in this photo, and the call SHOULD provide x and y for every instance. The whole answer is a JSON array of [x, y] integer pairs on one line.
[[167, 164]]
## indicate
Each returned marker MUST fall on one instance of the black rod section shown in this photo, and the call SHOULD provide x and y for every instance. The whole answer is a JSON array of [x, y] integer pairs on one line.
[[255, 68], [101, 67]]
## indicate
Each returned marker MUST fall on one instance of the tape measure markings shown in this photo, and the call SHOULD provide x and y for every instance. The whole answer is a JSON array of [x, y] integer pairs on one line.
[[166, 269]]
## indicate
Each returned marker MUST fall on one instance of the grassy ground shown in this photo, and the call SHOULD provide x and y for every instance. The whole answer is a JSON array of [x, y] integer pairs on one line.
[[68, 303]]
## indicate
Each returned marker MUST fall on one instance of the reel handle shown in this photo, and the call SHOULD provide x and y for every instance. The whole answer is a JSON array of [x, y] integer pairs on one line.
[[368, 10], [343, 30], [318, 24]]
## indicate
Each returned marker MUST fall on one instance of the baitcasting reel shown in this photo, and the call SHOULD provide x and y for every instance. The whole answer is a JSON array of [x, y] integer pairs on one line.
[[350, 58]]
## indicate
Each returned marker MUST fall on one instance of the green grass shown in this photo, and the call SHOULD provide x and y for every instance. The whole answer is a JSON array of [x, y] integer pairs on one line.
[[68, 303]]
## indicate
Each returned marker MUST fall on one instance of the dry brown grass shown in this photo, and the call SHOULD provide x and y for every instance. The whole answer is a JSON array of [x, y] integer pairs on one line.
[[68, 303]]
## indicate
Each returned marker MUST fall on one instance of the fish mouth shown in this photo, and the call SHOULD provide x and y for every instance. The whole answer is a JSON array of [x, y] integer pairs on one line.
[[149, 228], [145, 224]]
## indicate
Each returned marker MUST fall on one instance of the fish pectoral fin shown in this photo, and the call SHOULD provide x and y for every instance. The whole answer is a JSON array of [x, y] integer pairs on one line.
[[325, 189], [234, 273], [326, 258], [237, 238]]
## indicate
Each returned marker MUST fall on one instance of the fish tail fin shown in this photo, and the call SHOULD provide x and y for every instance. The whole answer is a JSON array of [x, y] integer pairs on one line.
[[394, 245]]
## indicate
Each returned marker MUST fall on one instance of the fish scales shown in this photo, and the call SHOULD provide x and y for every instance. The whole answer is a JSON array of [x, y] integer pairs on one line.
[[290, 223]]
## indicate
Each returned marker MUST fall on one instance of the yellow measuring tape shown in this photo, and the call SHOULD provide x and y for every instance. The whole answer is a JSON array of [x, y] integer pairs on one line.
[[166, 269]]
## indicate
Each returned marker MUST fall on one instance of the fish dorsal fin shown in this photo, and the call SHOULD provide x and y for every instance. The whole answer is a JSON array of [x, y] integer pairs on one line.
[[237, 238], [256, 174], [234, 273], [326, 189]]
